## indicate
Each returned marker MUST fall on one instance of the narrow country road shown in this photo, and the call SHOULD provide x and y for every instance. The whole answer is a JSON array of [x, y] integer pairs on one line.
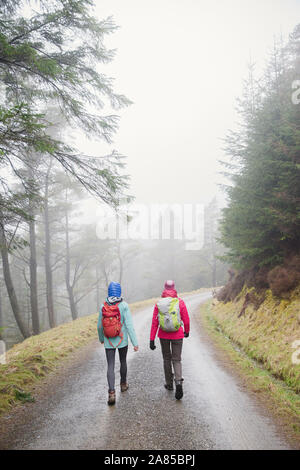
[[215, 413]]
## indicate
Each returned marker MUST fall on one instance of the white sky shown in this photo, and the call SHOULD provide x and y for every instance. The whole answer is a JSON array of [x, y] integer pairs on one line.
[[182, 63]]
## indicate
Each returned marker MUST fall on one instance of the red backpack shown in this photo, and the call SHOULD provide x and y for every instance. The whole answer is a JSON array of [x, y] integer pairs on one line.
[[111, 322]]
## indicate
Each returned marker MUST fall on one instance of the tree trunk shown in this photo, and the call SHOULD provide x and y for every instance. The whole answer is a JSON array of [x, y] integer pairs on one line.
[[120, 264], [214, 273], [1, 316], [70, 287], [73, 307], [48, 269], [214, 260], [9, 284], [33, 280], [105, 275], [32, 245]]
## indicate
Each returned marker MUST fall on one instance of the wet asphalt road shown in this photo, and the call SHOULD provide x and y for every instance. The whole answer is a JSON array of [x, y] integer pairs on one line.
[[215, 413]]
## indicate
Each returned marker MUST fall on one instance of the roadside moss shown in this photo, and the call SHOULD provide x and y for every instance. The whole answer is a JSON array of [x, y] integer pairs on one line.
[[260, 353]]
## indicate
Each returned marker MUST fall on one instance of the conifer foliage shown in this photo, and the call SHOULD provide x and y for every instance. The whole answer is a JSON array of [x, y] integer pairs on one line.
[[51, 58], [49, 53], [260, 226]]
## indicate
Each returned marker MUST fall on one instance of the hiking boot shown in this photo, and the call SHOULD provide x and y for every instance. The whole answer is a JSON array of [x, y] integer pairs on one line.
[[169, 387], [124, 387], [111, 397], [179, 390]]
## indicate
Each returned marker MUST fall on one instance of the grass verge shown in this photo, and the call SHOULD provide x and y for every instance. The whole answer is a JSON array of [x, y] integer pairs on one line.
[[268, 332], [277, 394]]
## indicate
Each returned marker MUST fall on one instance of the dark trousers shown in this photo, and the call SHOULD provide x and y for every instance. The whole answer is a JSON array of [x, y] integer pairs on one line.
[[171, 351], [111, 356]]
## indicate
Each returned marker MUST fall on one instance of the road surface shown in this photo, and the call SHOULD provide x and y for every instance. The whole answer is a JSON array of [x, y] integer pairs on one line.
[[215, 413]]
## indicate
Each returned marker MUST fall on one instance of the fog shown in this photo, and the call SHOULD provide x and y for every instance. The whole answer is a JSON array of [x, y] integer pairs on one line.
[[182, 64]]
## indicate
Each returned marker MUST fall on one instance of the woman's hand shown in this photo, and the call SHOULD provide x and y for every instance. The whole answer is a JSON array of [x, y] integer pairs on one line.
[[136, 348]]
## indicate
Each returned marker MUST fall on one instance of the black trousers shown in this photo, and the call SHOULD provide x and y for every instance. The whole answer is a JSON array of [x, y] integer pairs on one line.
[[111, 357]]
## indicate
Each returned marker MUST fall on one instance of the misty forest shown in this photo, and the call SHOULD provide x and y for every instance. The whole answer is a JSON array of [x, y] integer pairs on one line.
[[54, 267]]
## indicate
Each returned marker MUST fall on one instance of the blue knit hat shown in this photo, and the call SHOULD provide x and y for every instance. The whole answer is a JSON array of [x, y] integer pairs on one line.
[[114, 289]]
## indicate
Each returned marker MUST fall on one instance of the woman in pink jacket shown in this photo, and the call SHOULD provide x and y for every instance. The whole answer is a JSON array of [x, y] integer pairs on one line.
[[169, 314]]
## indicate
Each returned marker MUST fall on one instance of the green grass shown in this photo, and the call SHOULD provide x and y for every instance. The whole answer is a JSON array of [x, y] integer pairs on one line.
[[266, 334], [34, 358], [279, 395]]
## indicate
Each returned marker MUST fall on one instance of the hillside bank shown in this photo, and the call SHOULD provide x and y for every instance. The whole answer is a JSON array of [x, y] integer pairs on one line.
[[262, 341]]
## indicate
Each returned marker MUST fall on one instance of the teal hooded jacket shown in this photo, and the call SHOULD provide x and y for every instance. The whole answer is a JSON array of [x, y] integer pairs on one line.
[[127, 328]]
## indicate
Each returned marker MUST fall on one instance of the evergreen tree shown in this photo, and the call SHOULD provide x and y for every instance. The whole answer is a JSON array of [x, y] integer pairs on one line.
[[261, 224], [51, 56]]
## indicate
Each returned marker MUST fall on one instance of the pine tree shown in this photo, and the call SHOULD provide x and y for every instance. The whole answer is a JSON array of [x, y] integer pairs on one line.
[[261, 224], [51, 57]]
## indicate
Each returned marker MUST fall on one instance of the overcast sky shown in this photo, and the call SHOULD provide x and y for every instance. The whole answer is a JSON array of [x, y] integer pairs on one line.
[[182, 63]]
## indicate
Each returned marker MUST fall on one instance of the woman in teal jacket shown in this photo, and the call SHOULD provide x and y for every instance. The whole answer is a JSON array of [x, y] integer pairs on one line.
[[118, 342]]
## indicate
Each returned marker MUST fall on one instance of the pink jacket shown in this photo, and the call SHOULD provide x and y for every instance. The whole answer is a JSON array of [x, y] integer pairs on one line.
[[184, 317]]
